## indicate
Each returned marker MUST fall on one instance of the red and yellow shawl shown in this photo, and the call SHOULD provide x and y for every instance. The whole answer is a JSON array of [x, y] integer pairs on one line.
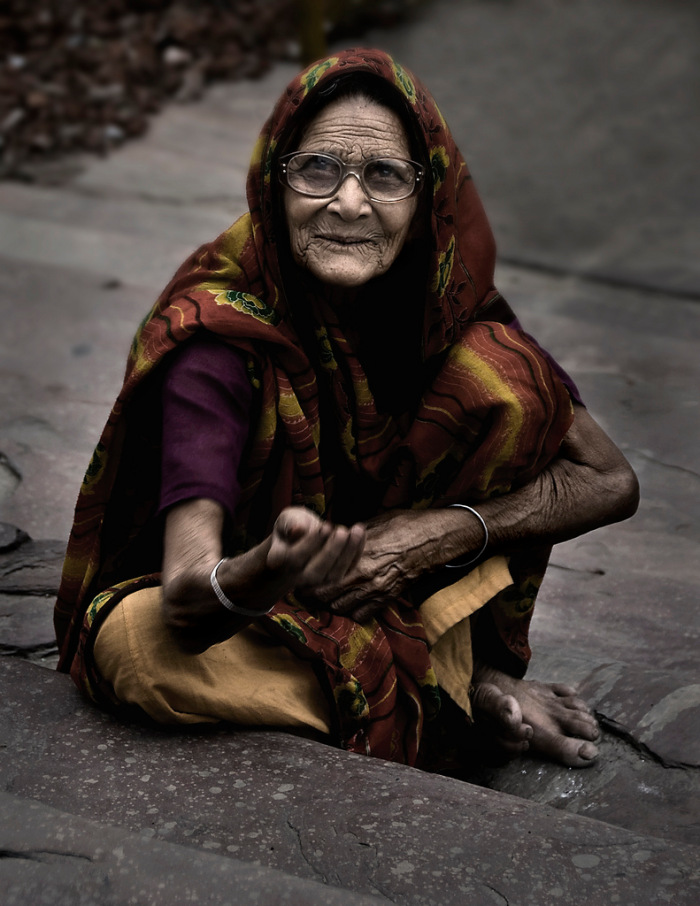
[[491, 417]]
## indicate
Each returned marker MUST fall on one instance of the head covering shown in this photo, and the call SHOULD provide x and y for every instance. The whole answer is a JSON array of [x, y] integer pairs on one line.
[[490, 415]]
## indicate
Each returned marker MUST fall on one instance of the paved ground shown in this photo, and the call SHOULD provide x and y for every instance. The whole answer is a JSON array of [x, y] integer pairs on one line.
[[580, 122]]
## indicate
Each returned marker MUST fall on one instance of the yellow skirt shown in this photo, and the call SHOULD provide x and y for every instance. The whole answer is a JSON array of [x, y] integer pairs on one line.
[[253, 679]]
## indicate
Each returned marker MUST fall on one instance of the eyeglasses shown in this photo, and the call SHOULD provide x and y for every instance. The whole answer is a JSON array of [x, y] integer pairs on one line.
[[383, 179]]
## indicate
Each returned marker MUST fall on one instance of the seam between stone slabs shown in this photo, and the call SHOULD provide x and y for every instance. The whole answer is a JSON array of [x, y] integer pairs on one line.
[[622, 733], [599, 278]]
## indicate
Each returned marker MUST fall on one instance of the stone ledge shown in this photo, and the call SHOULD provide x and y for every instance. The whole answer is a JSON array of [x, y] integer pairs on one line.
[[319, 814], [647, 778], [48, 856]]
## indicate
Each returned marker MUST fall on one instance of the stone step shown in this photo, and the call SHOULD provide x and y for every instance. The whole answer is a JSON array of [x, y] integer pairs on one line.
[[317, 813], [647, 778], [49, 856]]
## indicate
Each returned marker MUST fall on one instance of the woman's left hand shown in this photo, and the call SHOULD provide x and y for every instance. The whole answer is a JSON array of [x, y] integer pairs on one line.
[[400, 547]]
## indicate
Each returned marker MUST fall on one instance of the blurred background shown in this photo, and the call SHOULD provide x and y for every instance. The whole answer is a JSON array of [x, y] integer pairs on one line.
[[78, 75]]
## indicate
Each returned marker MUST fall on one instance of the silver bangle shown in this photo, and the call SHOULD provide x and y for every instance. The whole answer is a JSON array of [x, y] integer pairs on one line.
[[463, 506], [227, 602]]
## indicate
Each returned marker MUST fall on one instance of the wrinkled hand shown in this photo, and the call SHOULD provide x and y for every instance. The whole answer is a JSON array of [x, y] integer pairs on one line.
[[301, 550], [306, 551], [400, 547]]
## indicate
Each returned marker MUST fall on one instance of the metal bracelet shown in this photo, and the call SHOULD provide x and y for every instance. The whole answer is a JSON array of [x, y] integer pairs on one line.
[[227, 602], [463, 506]]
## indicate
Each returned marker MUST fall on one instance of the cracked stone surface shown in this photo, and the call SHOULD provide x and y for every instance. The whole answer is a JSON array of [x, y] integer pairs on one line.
[[316, 813], [580, 124], [29, 578], [55, 858], [648, 775]]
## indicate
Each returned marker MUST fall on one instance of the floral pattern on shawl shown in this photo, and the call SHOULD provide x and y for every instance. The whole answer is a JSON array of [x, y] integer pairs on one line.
[[493, 416]]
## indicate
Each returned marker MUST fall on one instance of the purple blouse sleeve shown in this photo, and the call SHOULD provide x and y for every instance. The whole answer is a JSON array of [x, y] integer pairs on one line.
[[206, 409]]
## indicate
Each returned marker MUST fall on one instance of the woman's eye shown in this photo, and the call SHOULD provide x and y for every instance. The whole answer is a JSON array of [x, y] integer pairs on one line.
[[321, 164], [386, 171]]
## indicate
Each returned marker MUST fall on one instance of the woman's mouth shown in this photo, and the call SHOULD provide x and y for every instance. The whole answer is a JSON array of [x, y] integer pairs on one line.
[[345, 240]]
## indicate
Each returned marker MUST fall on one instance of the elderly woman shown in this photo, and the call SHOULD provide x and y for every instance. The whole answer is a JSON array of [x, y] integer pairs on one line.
[[325, 497]]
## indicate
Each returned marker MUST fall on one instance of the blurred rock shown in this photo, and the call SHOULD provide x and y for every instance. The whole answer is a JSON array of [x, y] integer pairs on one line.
[[87, 76]]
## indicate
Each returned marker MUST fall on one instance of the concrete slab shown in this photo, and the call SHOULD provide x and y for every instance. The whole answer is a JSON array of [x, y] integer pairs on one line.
[[50, 857], [319, 814], [578, 121], [647, 777]]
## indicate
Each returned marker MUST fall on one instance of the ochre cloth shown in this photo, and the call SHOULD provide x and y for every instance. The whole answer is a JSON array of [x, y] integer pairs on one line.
[[490, 413], [252, 679]]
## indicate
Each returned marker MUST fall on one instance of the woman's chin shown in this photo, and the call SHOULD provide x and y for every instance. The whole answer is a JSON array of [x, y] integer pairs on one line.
[[346, 273]]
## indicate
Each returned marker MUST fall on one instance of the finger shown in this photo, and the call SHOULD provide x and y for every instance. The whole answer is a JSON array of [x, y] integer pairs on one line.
[[349, 555], [295, 522], [322, 566], [345, 602], [294, 555], [350, 602]]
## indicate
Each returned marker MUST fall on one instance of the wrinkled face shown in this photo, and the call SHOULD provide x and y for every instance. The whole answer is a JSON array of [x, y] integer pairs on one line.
[[346, 239]]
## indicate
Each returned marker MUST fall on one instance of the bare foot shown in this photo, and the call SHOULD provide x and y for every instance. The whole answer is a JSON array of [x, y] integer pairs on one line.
[[526, 715]]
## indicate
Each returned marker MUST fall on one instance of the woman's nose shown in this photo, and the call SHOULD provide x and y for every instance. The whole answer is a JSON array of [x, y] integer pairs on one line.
[[350, 201]]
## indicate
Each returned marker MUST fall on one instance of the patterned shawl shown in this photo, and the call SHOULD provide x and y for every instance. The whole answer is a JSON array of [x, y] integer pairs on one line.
[[490, 416]]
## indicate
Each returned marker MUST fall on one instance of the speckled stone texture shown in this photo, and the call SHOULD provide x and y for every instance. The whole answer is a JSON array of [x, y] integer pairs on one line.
[[53, 858], [310, 811]]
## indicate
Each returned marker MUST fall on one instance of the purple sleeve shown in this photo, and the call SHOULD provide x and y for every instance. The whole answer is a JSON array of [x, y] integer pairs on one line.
[[206, 409]]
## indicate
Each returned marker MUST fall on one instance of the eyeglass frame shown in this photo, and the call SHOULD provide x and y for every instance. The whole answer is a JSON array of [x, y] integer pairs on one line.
[[352, 170]]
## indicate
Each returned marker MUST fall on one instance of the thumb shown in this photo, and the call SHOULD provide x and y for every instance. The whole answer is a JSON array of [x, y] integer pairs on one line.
[[295, 522]]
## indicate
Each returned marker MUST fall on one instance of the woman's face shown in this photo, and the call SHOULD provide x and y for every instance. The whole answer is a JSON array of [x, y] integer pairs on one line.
[[346, 239]]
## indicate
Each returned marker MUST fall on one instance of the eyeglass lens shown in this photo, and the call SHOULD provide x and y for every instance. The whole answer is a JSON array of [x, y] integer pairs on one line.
[[319, 175]]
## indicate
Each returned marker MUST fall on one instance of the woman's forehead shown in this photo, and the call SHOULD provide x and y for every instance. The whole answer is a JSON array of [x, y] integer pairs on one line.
[[357, 126]]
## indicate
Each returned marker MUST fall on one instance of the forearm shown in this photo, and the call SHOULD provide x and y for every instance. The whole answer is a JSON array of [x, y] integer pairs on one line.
[[192, 547], [301, 551], [589, 485]]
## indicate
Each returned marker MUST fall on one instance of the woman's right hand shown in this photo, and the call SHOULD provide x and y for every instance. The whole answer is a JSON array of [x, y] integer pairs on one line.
[[302, 551], [306, 551]]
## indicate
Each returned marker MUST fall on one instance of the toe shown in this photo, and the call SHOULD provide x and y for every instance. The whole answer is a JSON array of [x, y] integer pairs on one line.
[[510, 747], [502, 710], [568, 696], [563, 690], [571, 752], [578, 723]]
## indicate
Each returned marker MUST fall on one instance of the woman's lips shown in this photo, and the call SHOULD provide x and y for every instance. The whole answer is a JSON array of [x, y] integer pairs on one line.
[[345, 240]]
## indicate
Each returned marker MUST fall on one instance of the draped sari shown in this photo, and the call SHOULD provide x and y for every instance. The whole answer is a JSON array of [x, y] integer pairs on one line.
[[488, 415]]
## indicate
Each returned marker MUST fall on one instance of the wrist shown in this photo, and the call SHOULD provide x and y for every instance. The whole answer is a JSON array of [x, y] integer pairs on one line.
[[250, 582], [472, 553], [237, 607]]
